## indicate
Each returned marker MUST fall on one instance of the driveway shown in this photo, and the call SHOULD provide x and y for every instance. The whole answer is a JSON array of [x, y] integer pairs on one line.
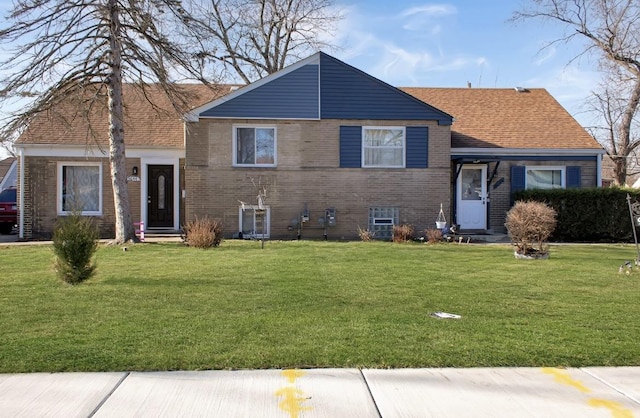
[[8, 238]]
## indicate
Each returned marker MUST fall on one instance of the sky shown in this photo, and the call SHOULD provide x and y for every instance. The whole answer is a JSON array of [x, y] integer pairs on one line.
[[450, 44]]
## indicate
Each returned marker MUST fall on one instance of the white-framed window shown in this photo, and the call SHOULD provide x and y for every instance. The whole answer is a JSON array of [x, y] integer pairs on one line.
[[79, 188], [254, 223], [382, 220], [254, 146], [383, 146], [545, 177]]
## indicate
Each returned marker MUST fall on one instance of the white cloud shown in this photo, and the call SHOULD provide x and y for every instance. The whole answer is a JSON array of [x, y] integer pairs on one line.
[[429, 10], [424, 17], [435, 30], [545, 55], [571, 87]]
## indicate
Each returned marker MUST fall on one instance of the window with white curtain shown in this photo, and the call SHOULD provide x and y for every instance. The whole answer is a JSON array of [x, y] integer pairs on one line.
[[545, 178], [80, 188], [383, 147]]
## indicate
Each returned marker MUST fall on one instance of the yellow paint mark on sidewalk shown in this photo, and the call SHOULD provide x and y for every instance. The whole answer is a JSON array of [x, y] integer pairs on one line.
[[293, 374], [293, 397], [292, 403], [562, 376], [617, 410]]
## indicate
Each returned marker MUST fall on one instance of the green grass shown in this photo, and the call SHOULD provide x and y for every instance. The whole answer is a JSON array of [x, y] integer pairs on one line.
[[319, 304]]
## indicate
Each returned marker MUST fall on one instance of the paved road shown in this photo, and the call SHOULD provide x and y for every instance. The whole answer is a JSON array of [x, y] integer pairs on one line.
[[479, 392]]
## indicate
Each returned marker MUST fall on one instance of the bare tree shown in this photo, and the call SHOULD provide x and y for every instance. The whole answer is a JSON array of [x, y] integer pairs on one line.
[[609, 103], [611, 31], [254, 38], [80, 51]]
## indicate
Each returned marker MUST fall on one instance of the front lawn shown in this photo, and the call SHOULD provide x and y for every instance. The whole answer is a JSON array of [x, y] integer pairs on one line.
[[319, 304]]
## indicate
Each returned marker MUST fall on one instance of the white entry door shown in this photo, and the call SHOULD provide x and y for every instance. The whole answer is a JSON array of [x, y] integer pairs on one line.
[[472, 197]]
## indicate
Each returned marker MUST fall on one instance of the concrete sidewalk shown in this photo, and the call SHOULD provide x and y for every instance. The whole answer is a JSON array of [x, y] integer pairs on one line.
[[479, 392]]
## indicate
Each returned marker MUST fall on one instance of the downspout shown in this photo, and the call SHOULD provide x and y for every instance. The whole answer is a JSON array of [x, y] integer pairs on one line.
[[21, 223]]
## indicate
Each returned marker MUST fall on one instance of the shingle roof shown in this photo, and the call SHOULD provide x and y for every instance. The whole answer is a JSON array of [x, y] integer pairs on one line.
[[5, 165], [484, 118], [506, 118], [147, 125]]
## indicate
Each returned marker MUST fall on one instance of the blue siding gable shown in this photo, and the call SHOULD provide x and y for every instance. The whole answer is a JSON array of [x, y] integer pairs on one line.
[[348, 93], [322, 87], [292, 96]]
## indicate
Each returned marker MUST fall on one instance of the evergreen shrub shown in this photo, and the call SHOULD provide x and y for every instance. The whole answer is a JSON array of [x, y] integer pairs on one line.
[[75, 240]]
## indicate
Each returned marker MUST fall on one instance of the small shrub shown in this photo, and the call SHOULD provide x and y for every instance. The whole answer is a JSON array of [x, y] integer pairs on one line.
[[365, 234], [530, 224], [202, 233], [433, 235], [402, 233], [75, 240]]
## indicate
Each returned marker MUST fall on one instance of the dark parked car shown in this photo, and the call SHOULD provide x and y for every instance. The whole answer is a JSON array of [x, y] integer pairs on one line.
[[8, 210]]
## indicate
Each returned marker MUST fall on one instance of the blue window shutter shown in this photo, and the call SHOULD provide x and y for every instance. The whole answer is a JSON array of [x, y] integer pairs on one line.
[[517, 178], [417, 147], [350, 146], [573, 177]]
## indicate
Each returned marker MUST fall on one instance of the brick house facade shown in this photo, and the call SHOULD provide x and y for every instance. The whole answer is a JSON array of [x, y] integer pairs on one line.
[[319, 135]]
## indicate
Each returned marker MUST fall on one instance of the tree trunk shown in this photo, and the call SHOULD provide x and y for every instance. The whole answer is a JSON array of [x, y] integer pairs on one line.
[[624, 132], [125, 229], [619, 171]]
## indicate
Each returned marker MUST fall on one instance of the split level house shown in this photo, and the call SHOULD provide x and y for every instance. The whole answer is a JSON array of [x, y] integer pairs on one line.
[[319, 149]]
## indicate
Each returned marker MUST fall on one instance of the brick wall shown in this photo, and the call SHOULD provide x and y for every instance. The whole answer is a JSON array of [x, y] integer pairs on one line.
[[40, 196], [308, 172], [501, 195]]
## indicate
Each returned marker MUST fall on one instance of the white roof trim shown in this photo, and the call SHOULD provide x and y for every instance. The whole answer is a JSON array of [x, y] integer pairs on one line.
[[82, 151], [194, 114], [526, 151]]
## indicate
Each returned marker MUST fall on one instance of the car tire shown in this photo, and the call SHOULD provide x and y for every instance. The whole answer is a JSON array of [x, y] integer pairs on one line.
[[5, 229]]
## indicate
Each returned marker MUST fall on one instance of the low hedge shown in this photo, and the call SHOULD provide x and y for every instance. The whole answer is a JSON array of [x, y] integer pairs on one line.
[[588, 215]]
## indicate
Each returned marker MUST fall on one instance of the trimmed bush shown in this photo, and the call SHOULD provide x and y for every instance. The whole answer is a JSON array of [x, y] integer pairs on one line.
[[75, 240], [433, 235], [402, 233], [588, 215], [530, 224], [202, 233]]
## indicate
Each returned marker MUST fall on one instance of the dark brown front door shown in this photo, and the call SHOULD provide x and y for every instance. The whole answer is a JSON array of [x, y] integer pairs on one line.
[[160, 198]]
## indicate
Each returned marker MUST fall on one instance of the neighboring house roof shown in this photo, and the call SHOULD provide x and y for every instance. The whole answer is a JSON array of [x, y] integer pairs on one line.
[[7, 172], [506, 118], [146, 125]]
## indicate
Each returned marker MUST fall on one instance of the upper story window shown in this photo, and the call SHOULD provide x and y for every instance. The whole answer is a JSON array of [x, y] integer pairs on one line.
[[545, 178], [80, 188], [383, 147], [254, 146]]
